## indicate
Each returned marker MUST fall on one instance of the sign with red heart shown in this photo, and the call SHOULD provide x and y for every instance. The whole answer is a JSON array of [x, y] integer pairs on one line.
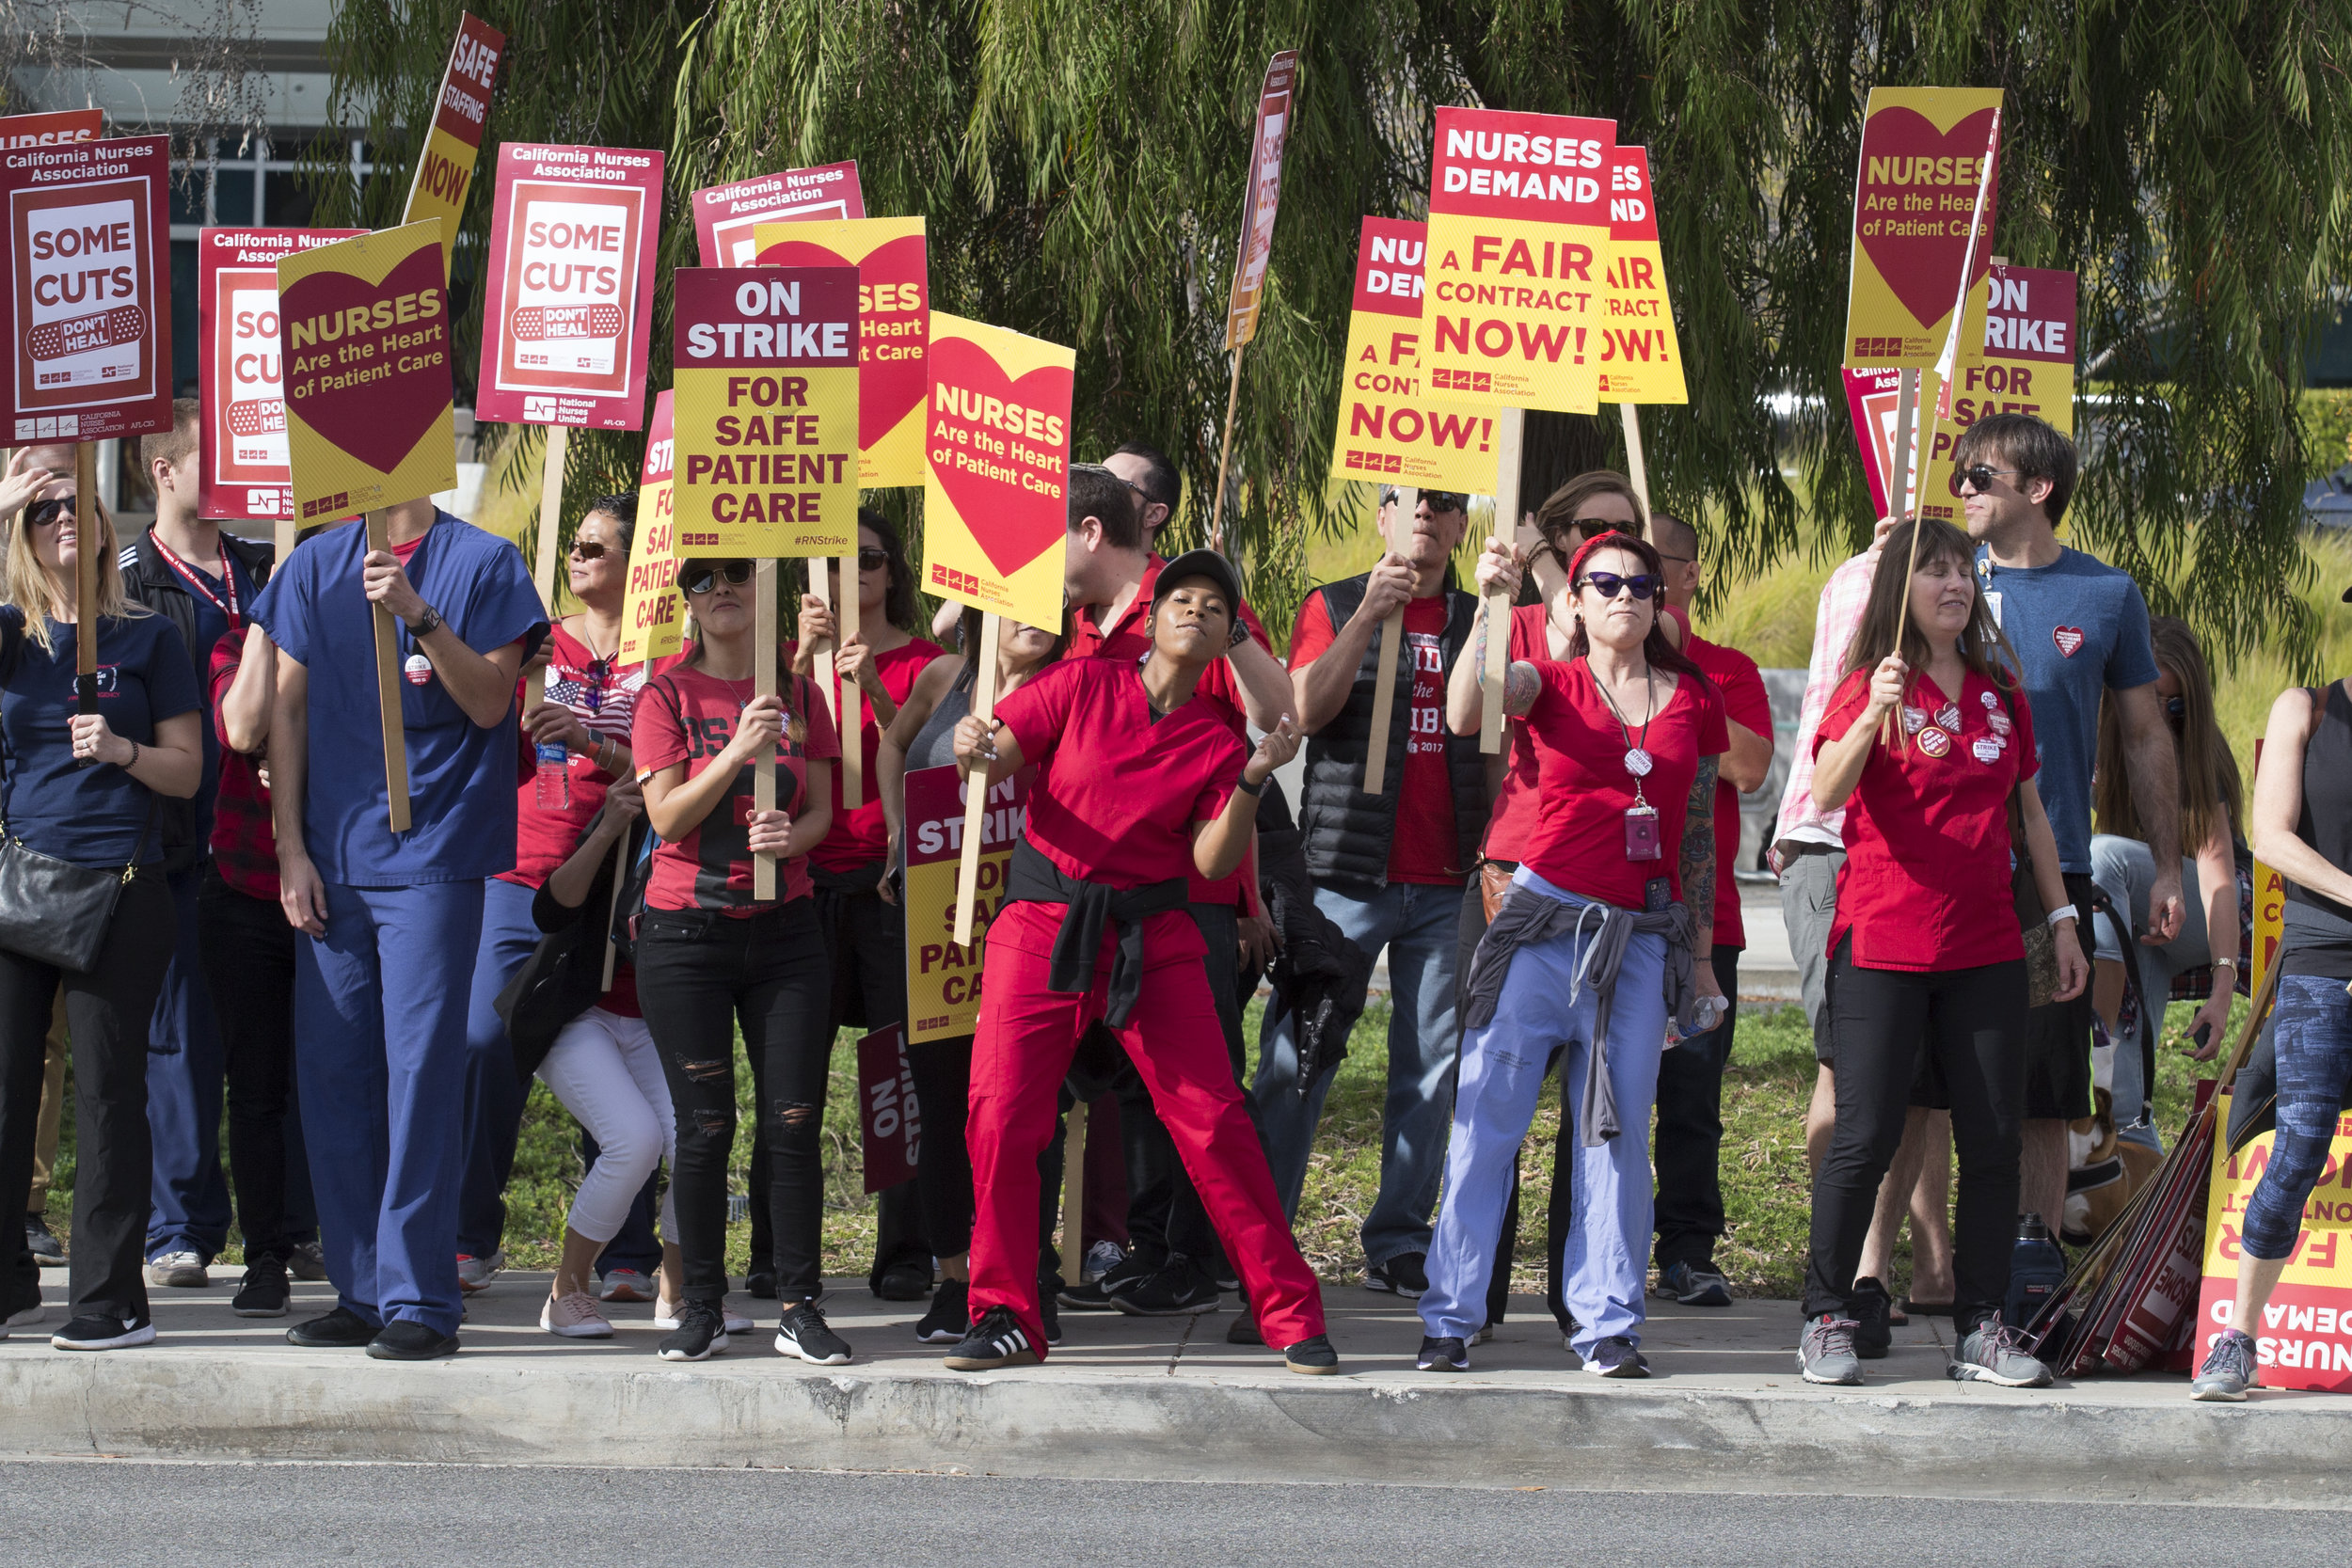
[[1924, 151], [239, 372], [997, 456], [893, 319], [363, 330], [2068, 639]]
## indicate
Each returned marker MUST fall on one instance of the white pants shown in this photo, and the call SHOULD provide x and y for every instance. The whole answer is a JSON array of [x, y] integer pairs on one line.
[[605, 1071]]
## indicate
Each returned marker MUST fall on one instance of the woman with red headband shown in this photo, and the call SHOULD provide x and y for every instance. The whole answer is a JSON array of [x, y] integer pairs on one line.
[[1605, 932]]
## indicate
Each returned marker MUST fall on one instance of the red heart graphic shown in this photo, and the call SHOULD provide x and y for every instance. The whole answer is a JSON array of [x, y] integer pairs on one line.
[[379, 422], [886, 388], [1013, 525], [1921, 269], [2068, 638]]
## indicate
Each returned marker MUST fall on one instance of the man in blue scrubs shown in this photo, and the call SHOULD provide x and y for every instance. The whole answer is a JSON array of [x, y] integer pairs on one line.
[[395, 920]]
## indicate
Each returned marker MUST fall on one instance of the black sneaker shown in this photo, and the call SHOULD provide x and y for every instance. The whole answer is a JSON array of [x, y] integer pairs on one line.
[[309, 1262], [803, 1332], [1694, 1285], [1178, 1291], [341, 1329], [904, 1281], [1407, 1274], [20, 1303], [997, 1341], [1873, 1319], [760, 1284], [1616, 1358], [1244, 1329], [264, 1292], [701, 1334], [951, 1311], [42, 1242], [97, 1331], [1124, 1275], [1447, 1355], [1314, 1357], [407, 1340], [1050, 1316]]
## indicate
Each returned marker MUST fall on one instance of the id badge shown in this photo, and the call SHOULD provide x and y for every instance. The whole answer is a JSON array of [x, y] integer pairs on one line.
[[1641, 834]]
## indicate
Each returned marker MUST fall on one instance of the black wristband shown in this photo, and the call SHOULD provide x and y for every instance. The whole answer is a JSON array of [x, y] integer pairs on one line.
[[1244, 785]]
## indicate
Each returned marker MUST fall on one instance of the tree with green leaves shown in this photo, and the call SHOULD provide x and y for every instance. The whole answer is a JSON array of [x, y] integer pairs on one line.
[[1081, 167]]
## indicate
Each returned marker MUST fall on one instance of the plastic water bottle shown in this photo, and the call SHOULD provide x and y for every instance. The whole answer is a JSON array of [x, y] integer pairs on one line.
[[2036, 1270]]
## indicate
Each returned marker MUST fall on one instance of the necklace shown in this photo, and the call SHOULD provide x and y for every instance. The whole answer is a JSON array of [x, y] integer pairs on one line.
[[1638, 761]]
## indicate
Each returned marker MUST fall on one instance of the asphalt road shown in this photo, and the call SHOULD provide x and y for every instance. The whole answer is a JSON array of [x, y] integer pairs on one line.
[[108, 1513]]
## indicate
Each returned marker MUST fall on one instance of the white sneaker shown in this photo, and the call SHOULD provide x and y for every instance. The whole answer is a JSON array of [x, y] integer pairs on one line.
[[665, 1316], [475, 1274], [183, 1270], [574, 1316], [626, 1284]]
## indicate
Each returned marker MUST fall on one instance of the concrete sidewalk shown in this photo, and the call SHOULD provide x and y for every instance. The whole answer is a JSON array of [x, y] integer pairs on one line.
[[1168, 1398]]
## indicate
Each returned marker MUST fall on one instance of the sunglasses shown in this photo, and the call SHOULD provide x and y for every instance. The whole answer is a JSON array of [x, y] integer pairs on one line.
[[1980, 477], [736, 571], [1606, 584], [2176, 709], [587, 550], [44, 513], [872, 558]]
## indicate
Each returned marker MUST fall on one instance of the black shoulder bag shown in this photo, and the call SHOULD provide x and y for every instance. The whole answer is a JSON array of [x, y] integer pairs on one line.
[[54, 911], [564, 974]]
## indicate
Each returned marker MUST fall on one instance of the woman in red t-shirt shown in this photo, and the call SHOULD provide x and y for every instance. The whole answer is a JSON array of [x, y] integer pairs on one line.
[[865, 938], [710, 955], [1605, 928], [1924, 745]]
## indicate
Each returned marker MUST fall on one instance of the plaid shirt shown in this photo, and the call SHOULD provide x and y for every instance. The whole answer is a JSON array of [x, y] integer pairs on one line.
[[1843, 599], [245, 846]]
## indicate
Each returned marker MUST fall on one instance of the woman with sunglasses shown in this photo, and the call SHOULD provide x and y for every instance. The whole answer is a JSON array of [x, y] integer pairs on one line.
[[83, 789], [866, 937], [1604, 932], [577, 745], [923, 736], [1926, 743], [711, 957]]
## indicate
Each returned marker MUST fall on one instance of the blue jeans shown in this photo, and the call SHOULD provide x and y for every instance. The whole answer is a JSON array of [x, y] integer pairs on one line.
[[186, 1075], [1603, 1265], [494, 1095], [1418, 921], [2313, 1023]]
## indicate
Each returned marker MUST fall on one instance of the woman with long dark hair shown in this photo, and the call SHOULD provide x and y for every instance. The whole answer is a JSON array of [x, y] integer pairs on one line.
[[1604, 932], [1925, 742]]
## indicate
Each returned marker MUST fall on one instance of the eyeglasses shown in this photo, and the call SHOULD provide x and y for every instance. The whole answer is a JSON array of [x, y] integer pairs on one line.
[[736, 571], [1607, 583], [2176, 709], [872, 558], [587, 550], [1980, 477], [44, 513]]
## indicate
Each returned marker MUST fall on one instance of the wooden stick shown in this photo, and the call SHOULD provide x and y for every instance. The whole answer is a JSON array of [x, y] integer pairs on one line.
[[1384, 680], [975, 781], [1509, 432], [550, 524], [388, 682], [1224, 456], [1637, 467], [764, 685], [821, 584], [1074, 1189], [1904, 414], [85, 548], [852, 699], [620, 880]]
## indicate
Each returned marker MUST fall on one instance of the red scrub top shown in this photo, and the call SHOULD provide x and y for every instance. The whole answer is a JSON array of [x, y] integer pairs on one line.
[[1740, 684]]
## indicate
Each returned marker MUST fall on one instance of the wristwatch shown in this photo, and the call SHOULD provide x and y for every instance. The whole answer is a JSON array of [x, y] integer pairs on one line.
[[426, 626]]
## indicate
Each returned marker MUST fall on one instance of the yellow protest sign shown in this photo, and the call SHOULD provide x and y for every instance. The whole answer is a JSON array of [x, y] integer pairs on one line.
[[1389, 427], [364, 336], [1640, 359], [1518, 259], [652, 616], [997, 456], [893, 318], [1915, 185], [445, 171], [766, 411], [2305, 1338], [2019, 329], [944, 979]]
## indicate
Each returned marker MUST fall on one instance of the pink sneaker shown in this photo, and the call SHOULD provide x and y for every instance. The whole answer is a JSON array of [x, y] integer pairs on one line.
[[574, 1315]]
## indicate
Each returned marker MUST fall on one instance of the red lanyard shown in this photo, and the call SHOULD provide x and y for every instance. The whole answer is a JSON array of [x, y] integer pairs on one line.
[[228, 578]]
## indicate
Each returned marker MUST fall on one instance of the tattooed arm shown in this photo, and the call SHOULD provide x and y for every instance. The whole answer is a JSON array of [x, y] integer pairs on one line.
[[1521, 686], [1698, 865]]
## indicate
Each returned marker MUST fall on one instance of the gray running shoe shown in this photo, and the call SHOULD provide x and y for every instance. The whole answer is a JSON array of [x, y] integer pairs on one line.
[[1826, 1354], [2232, 1367], [1692, 1285], [1995, 1352], [181, 1269]]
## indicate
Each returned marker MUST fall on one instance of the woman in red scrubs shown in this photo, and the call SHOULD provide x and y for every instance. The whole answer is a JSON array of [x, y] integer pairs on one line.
[[1924, 744], [1141, 782]]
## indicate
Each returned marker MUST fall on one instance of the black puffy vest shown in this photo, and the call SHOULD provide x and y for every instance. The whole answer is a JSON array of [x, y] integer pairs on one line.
[[1347, 832]]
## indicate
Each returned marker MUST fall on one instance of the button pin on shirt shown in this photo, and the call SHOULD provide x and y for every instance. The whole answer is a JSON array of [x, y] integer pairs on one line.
[[418, 669]]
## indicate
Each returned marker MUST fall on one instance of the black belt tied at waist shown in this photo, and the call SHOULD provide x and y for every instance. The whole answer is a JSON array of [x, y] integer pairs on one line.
[[1034, 879]]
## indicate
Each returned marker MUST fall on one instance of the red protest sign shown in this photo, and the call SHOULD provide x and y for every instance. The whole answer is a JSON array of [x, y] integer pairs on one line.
[[51, 130], [893, 319], [445, 171], [240, 372], [88, 292], [888, 1111], [1266, 144], [570, 295], [724, 215]]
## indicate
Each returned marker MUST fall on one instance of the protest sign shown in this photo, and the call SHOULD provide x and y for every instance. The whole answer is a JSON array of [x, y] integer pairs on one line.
[[1916, 186], [726, 217], [653, 616], [58, 129], [1640, 359], [943, 977], [246, 475], [2304, 1339], [568, 299], [2017, 358], [1267, 141], [996, 451], [445, 171], [1871, 396], [889, 1114], [894, 317], [363, 328], [1518, 259], [89, 291], [1389, 427], [766, 411]]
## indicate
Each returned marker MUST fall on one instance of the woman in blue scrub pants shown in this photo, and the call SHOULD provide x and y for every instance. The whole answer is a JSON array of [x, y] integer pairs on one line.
[[394, 919]]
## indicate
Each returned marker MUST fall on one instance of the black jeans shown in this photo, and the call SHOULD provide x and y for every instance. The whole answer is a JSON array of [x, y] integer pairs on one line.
[[248, 955], [943, 1163], [107, 1009], [1689, 1149], [700, 974], [865, 945], [1972, 1023]]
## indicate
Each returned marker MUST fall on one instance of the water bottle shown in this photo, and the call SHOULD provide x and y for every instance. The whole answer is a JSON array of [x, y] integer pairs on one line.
[[2036, 1270]]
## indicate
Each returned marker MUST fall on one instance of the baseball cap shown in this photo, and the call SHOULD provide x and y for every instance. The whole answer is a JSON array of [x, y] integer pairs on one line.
[[1200, 564]]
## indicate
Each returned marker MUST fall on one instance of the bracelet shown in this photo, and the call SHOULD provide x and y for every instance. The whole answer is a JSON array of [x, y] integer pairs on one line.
[[1244, 785], [135, 757], [2064, 912]]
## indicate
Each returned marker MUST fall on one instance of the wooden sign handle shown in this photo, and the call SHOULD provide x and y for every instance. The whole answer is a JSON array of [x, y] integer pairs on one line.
[[1224, 456], [1384, 682], [387, 678], [764, 685], [1636, 464], [852, 699], [550, 524], [821, 584], [1509, 437], [85, 548], [976, 782], [1074, 1189]]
